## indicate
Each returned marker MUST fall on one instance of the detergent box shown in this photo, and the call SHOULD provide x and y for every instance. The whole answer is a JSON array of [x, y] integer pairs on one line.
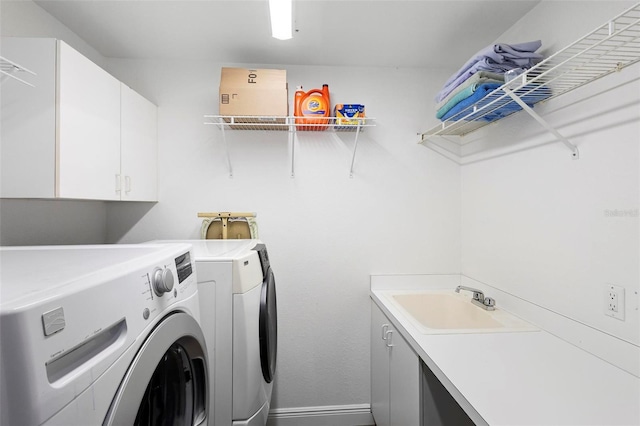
[[254, 92], [348, 115]]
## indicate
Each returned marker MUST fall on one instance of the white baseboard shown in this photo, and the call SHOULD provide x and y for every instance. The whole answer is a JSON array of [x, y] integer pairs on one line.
[[330, 415]]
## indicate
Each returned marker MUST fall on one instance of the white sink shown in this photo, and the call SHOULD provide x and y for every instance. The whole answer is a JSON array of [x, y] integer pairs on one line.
[[448, 312]]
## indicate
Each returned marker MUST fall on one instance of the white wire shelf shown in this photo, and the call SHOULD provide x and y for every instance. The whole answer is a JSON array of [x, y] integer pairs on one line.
[[292, 125], [280, 123], [8, 69], [608, 49]]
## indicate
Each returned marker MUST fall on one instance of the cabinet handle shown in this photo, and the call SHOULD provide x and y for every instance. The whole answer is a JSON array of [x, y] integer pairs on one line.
[[118, 188], [127, 184], [389, 339], [385, 327]]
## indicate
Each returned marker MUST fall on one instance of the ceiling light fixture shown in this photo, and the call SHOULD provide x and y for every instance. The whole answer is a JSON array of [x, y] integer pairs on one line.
[[281, 19]]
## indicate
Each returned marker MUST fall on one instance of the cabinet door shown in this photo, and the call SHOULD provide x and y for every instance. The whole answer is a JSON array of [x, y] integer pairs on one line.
[[379, 367], [404, 394], [88, 138], [139, 147]]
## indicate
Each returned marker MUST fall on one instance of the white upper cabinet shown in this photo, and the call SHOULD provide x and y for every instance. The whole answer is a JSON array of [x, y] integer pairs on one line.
[[79, 134], [88, 129], [139, 147]]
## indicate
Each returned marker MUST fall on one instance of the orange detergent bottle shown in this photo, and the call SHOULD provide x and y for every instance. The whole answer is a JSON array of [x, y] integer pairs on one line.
[[314, 104]]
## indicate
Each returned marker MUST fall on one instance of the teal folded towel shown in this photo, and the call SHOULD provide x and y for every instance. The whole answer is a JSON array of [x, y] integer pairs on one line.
[[465, 91], [485, 76]]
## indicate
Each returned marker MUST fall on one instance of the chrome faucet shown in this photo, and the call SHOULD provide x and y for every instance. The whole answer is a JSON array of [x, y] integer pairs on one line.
[[478, 299]]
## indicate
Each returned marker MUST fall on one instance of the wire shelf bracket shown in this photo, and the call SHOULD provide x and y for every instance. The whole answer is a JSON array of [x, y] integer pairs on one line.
[[575, 154], [292, 125]]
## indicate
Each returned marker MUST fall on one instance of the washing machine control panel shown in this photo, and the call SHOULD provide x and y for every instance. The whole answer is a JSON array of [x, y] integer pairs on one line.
[[166, 283], [183, 266], [162, 281]]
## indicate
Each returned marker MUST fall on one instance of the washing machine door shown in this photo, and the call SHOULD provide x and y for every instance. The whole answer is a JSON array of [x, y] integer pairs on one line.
[[167, 382], [268, 327]]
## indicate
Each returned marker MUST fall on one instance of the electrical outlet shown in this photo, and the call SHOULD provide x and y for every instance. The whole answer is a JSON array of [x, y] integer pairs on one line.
[[612, 297], [614, 301]]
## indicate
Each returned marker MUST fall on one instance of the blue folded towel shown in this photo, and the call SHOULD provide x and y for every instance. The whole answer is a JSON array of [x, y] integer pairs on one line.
[[530, 94]]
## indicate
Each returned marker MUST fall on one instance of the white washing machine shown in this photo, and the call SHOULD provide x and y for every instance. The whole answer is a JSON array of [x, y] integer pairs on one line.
[[239, 319], [101, 335]]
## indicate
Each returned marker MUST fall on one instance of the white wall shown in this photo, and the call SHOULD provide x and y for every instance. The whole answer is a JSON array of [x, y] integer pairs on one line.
[[37, 222], [543, 227], [326, 232], [24, 18], [40, 222]]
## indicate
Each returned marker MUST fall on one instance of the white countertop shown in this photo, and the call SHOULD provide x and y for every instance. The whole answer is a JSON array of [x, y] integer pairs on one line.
[[523, 378]]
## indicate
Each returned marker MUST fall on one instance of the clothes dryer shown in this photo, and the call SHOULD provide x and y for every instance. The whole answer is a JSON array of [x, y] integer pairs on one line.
[[239, 311], [101, 335]]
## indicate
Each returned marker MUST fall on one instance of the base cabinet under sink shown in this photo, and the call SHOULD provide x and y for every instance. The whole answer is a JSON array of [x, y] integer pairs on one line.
[[404, 391], [395, 375]]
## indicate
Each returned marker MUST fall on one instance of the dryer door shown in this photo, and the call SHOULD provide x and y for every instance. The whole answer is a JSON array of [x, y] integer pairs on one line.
[[268, 326], [167, 382]]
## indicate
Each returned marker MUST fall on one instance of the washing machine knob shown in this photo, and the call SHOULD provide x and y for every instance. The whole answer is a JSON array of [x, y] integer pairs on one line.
[[162, 281]]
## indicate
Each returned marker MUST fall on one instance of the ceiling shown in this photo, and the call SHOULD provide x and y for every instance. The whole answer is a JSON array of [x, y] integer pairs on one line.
[[404, 33]]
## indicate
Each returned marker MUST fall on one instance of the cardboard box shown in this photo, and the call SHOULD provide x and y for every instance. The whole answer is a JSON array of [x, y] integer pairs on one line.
[[254, 92]]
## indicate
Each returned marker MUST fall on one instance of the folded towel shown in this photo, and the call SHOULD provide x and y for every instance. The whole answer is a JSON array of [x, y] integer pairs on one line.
[[481, 91], [530, 94], [485, 64], [463, 91], [502, 52], [479, 77], [496, 58]]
